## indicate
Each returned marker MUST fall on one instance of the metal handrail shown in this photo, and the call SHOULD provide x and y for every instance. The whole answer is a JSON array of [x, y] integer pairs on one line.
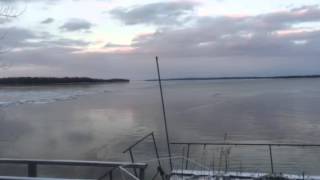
[[129, 149], [35, 178], [244, 144], [137, 142], [72, 163], [33, 163], [269, 145]]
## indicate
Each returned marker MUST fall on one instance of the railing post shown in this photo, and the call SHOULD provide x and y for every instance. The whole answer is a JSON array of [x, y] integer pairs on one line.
[[182, 159], [188, 152], [111, 175], [271, 159], [160, 170], [141, 174], [156, 149], [132, 160], [32, 169]]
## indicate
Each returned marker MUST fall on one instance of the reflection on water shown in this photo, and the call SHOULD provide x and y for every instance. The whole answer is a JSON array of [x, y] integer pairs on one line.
[[113, 119], [101, 124]]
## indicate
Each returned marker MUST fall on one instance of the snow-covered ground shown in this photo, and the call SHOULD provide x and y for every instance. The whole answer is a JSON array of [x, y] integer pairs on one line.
[[213, 175]]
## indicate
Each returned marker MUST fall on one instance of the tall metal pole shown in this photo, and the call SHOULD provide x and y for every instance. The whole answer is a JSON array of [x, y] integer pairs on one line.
[[158, 157], [164, 113], [271, 159]]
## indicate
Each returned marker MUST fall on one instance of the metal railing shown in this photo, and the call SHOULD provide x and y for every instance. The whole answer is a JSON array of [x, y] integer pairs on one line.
[[32, 165], [268, 145], [131, 147]]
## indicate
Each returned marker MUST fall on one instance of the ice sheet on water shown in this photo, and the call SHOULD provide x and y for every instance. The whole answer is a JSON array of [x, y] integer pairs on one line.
[[12, 96]]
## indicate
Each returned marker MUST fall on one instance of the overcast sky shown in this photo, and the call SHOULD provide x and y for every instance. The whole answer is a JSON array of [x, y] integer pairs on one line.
[[196, 38]]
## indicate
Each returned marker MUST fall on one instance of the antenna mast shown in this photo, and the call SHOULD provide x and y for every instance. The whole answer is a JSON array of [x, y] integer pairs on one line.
[[164, 112]]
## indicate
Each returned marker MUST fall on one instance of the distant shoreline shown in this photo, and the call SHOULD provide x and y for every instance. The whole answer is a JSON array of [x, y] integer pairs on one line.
[[39, 81], [238, 78]]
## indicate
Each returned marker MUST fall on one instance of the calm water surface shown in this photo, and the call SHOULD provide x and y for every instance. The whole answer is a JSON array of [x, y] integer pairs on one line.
[[97, 122]]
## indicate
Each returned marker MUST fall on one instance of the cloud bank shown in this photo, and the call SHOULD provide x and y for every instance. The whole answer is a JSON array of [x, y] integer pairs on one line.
[[267, 35], [76, 25], [161, 13], [275, 43]]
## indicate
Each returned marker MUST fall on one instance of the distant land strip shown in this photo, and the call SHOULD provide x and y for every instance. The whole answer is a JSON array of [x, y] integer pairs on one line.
[[24, 81], [241, 77]]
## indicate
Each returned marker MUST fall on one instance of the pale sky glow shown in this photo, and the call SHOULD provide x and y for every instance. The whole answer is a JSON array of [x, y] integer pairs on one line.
[[111, 38]]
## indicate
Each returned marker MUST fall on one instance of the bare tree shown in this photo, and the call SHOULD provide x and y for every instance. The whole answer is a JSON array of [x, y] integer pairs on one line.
[[8, 11]]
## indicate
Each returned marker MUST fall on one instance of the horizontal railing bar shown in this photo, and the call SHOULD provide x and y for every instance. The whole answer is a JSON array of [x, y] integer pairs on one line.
[[72, 163], [34, 178], [137, 142], [244, 144]]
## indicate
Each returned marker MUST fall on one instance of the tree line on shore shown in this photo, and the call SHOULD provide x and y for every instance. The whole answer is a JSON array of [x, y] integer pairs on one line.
[[54, 80]]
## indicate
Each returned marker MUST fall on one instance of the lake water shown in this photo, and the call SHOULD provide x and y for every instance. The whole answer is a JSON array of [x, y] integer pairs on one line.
[[97, 122]]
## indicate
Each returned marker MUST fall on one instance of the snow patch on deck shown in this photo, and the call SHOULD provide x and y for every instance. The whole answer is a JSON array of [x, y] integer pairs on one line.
[[179, 174]]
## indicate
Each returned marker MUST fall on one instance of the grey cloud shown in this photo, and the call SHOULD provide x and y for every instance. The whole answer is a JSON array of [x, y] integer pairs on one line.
[[255, 36], [76, 25], [19, 38], [4, 20], [47, 21], [55, 43], [15, 37], [113, 45], [296, 15], [69, 42], [64, 62], [212, 46], [162, 13]]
